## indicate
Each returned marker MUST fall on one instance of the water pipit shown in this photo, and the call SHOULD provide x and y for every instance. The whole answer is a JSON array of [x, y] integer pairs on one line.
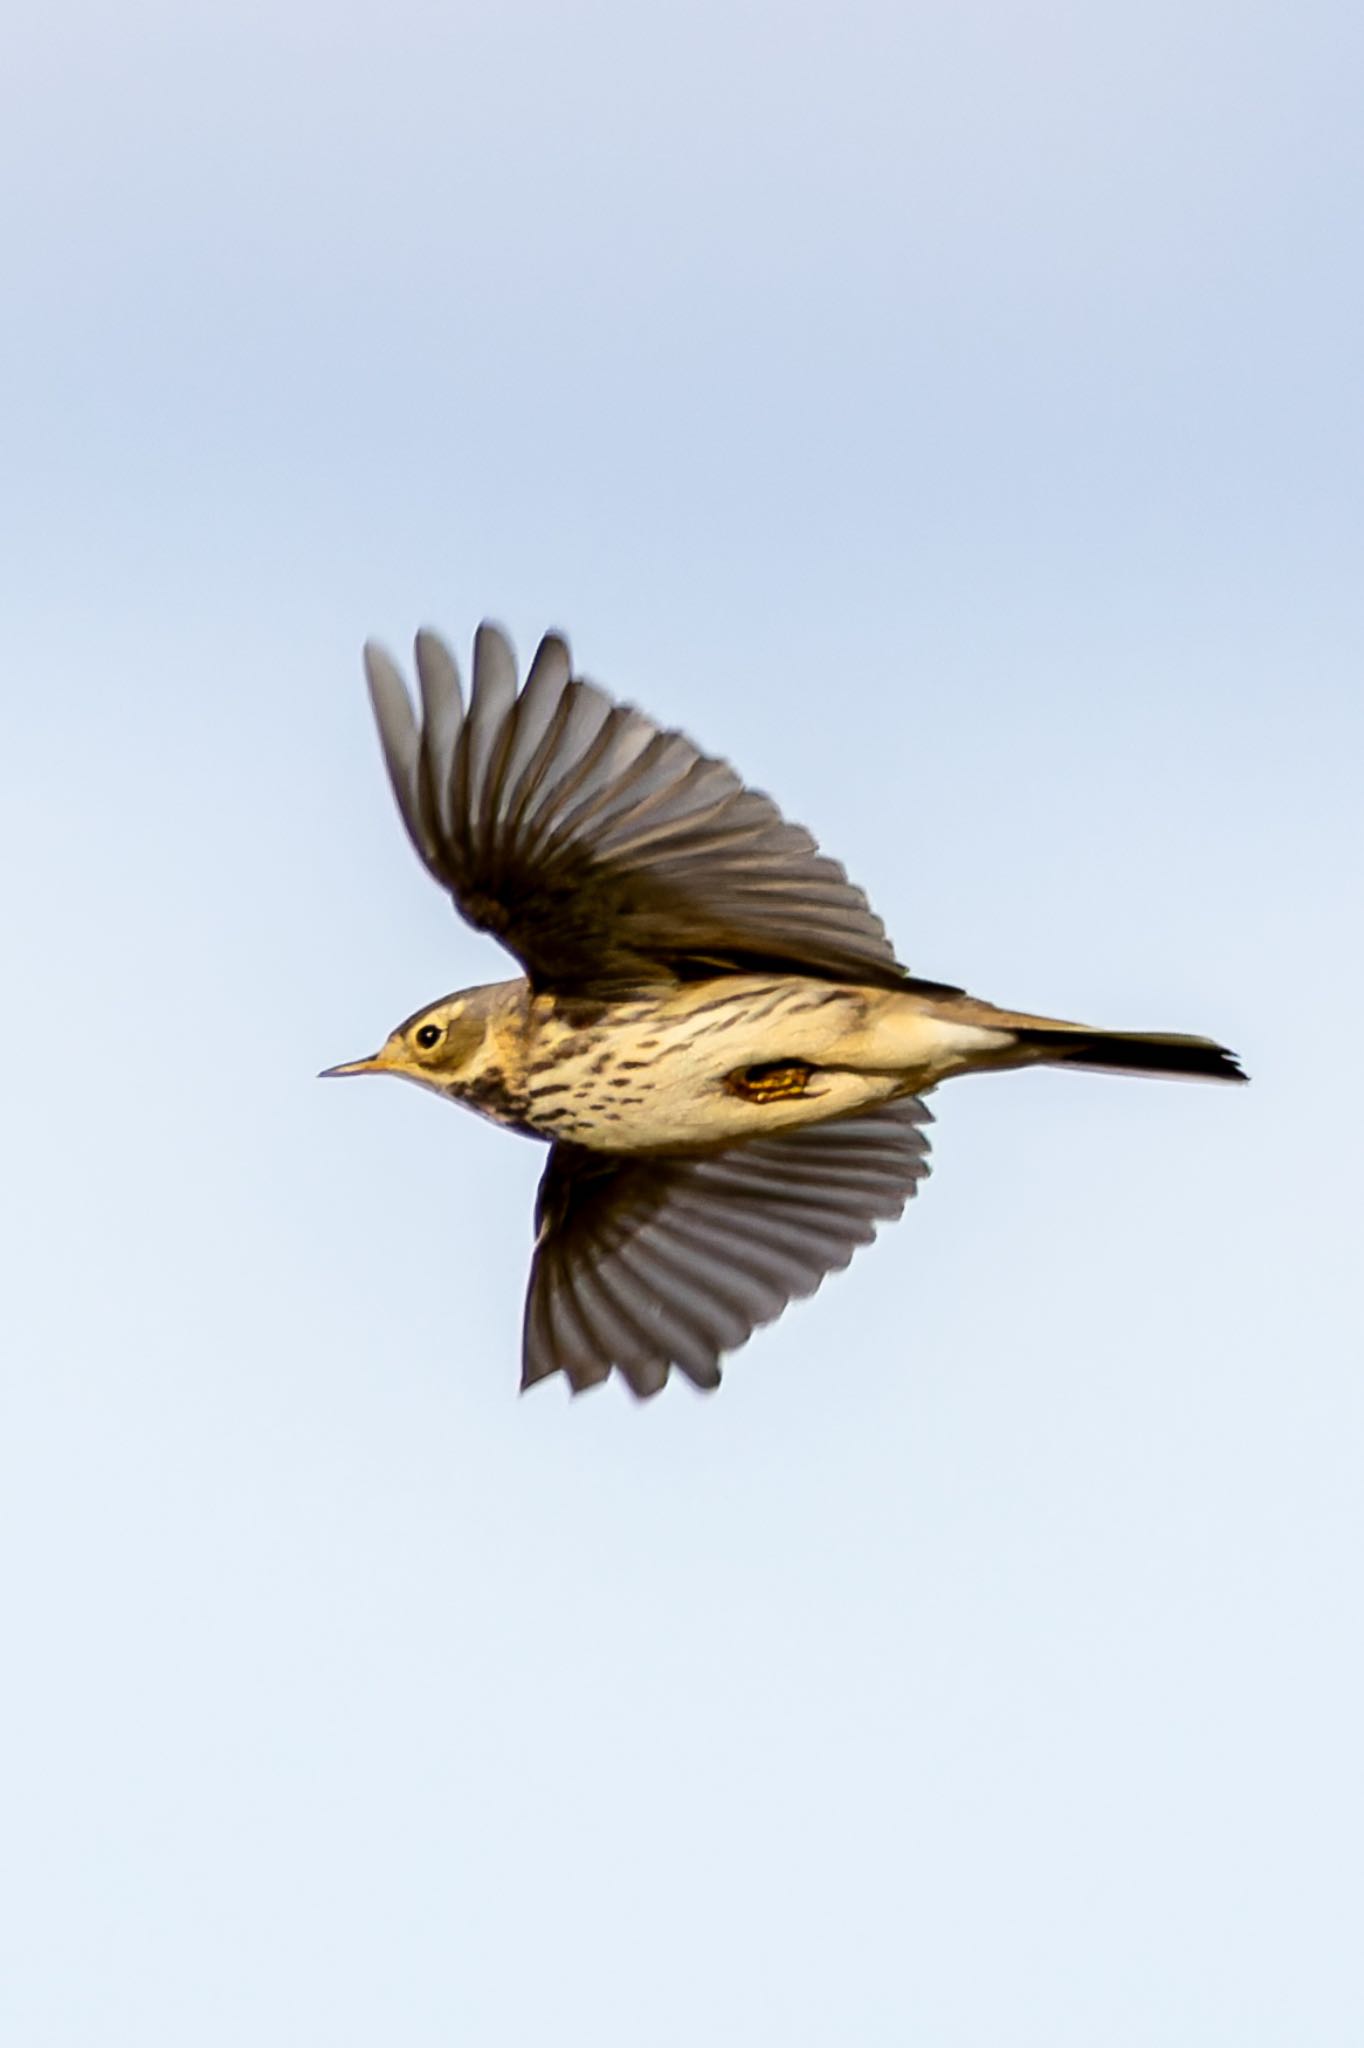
[[711, 1030]]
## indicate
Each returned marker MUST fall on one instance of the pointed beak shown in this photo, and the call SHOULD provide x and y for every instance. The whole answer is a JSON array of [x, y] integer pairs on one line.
[[375, 1064]]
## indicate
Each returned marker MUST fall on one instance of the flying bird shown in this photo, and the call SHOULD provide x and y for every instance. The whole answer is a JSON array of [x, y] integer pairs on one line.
[[711, 1028]]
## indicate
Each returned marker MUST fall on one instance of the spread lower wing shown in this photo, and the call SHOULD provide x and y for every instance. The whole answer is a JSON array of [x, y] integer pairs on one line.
[[644, 1263], [604, 852]]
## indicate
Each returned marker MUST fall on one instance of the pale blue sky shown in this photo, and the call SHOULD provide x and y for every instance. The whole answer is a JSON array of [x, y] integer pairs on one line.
[[952, 414]]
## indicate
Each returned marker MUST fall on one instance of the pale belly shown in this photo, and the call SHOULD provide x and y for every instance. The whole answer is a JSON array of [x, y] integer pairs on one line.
[[715, 1063]]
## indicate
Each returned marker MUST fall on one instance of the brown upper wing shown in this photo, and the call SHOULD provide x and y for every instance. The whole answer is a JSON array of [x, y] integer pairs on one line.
[[604, 852], [644, 1263]]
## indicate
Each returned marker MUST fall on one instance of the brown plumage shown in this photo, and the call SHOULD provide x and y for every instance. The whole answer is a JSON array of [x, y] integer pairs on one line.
[[712, 1029]]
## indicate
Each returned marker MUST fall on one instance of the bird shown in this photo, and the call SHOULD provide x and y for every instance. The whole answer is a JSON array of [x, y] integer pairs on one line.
[[711, 1028]]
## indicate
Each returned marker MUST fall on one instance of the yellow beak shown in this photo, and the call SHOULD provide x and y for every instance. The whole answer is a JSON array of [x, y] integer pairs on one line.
[[375, 1064]]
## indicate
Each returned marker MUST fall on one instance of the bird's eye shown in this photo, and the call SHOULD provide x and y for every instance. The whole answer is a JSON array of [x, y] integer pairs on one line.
[[429, 1035]]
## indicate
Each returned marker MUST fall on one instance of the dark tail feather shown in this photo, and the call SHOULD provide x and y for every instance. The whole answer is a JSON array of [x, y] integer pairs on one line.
[[1133, 1052]]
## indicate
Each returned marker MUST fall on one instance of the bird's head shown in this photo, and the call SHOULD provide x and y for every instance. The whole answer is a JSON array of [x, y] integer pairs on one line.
[[436, 1046]]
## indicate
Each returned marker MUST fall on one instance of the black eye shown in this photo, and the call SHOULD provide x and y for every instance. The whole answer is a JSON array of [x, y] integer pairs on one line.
[[429, 1035]]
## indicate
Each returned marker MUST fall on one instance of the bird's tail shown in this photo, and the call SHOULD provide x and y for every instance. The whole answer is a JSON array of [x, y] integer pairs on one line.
[[1013, 1038], [1126, 1052]]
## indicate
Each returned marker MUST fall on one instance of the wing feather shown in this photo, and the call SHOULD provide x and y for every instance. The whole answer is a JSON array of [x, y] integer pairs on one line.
[[642, 1264], [605, 852], [442, 702]]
